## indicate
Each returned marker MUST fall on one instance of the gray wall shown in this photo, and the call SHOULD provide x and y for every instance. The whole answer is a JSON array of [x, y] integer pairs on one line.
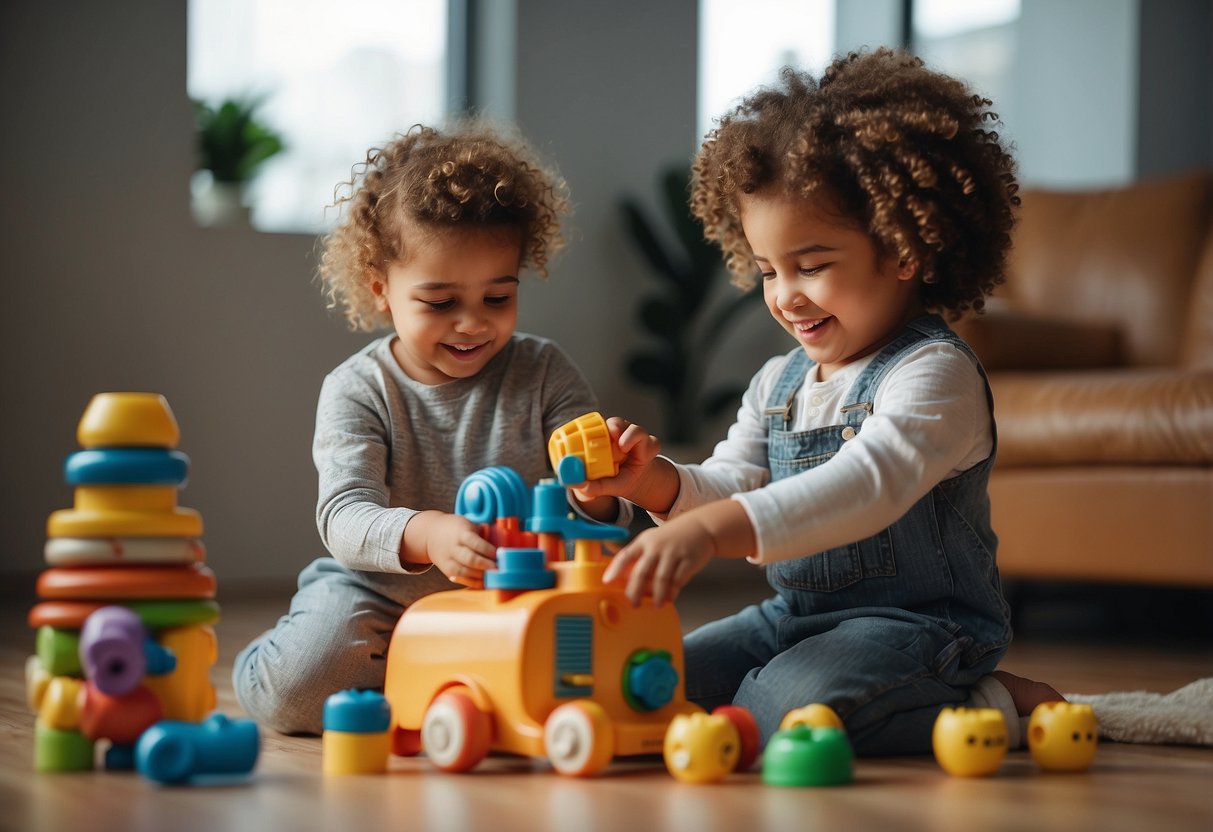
[[110, 285]]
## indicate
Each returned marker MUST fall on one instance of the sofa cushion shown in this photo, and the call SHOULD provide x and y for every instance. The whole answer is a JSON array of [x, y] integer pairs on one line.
[[1011, 341], [1125, 257], [1146, 416]]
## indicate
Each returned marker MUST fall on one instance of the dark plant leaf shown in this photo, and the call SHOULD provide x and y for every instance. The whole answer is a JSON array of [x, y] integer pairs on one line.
[[704, 257], [722, 399], [654, 371], [663, 318], [641, 230]]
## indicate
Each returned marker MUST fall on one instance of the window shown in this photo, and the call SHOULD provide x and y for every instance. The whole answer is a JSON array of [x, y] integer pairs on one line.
[[972, 41], [744, 45], [337, 79]]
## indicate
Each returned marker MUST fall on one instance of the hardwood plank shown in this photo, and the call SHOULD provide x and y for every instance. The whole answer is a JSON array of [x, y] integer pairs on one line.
[[1130, 787]]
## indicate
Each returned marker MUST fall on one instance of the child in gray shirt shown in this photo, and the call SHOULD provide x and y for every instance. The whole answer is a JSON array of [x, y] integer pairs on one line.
[[437, 228]]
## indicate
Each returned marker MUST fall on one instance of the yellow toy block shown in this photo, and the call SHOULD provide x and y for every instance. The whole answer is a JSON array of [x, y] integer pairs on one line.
[[187, 693], [128, 420], [347, 752], [587, 439], [37, 679], [60, 706]]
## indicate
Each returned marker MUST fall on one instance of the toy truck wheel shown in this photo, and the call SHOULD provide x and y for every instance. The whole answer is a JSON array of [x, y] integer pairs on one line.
[[747, 732], [405, 743], [578, 739], [455, 734]]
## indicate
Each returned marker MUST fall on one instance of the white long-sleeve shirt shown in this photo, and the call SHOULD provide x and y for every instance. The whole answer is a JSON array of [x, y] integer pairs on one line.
[[931, 420]]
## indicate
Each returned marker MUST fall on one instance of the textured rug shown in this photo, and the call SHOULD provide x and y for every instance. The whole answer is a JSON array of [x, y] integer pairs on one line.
[[1181, 717]]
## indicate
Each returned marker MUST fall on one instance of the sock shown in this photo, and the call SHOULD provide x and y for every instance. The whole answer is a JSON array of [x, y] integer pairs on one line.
[[990, 693]]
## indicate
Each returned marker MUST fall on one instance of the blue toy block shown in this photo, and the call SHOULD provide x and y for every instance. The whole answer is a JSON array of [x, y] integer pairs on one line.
[[357, 712], [520, 569], [176, 752]]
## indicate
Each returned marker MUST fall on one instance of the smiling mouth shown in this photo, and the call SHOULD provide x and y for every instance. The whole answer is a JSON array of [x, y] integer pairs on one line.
[[464, 352], [806, 327]]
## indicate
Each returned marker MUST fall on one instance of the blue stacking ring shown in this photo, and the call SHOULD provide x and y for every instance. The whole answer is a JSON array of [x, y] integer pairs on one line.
[[126, 466]]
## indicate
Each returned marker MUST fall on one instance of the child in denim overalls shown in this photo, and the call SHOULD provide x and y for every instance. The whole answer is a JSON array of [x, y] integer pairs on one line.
[[857, 469]]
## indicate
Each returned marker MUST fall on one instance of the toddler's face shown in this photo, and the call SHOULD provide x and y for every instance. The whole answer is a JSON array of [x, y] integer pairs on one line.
[[824, 280], [453, 302]]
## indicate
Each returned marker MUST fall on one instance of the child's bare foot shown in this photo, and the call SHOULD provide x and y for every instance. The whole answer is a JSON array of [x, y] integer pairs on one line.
[[1026, 693]]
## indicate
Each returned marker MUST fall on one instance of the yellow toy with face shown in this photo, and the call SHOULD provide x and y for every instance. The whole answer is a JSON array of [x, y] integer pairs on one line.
[[701, 748], [815, 715], [970, 742], [1062, 736]]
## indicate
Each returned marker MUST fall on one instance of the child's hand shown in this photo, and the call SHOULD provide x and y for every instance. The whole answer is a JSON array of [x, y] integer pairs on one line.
[[633, 449], [663, 560], [454, 545]]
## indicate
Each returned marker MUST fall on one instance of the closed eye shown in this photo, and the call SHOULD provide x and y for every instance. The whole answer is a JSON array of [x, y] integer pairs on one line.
[[498, 300], [439, 305], [813, 271]]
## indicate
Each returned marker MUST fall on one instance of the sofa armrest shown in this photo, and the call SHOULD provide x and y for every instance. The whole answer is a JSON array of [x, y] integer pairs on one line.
[[1008, 340]]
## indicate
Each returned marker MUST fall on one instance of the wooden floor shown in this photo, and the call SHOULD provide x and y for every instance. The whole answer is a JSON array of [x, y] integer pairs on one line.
[[1130, 787]]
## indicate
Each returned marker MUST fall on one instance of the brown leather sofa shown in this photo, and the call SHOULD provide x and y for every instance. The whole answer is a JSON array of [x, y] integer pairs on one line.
[[1100, 354]]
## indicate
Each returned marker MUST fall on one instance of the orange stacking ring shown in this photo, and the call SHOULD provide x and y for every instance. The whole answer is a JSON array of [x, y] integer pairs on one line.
[[121, 582]]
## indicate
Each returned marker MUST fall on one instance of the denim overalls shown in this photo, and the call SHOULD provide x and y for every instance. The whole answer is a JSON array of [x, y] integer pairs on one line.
[[885, 630]]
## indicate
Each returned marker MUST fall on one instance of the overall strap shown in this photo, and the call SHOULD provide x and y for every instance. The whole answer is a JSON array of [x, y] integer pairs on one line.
[[779, 404], [859, 400]]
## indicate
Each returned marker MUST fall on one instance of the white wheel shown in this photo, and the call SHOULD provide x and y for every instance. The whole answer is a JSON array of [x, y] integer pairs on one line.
[[577, 738], [455, 734]]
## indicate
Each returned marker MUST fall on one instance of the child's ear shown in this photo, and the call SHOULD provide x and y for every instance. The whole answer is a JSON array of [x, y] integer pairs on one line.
[[378, 281], [907, 270]]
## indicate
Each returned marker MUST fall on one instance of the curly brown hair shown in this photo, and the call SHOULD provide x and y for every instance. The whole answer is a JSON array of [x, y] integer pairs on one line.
[[425, 182], [899, 149]]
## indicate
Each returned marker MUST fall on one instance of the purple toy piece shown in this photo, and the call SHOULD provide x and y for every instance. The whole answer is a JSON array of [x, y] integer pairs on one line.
[[112, 650]]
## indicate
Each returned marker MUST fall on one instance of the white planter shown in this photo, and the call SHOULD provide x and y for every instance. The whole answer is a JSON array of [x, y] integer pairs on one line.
[[217, 204]]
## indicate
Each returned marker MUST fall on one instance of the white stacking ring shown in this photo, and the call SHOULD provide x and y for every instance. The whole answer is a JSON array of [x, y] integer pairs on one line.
[[78, 551]]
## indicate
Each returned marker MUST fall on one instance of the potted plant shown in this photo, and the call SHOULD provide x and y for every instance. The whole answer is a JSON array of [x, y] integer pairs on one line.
[[680, 314], [232, 145]]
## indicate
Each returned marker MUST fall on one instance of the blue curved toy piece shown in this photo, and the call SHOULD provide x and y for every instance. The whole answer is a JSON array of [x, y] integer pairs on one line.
[[176, 752], [126, 466], [490, 493], [357, 712]]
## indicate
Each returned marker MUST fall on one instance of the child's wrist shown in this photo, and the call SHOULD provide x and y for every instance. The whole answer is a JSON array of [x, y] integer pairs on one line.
[[657, 490], [414, 548]]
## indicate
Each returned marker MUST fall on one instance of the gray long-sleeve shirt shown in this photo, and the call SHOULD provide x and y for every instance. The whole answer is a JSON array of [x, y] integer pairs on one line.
[[387, 447]]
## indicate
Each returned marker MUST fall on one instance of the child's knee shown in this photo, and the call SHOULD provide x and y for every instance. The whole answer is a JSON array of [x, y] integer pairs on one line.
[[286, 696]]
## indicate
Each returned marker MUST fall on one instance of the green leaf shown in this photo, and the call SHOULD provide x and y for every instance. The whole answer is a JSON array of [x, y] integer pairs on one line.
[[232, 143]]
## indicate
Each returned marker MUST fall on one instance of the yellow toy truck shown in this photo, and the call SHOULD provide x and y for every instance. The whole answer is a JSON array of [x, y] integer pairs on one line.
[[545, 660]]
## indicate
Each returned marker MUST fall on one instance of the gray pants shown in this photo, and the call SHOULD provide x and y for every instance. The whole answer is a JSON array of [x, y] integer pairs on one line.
[[334, 637]]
